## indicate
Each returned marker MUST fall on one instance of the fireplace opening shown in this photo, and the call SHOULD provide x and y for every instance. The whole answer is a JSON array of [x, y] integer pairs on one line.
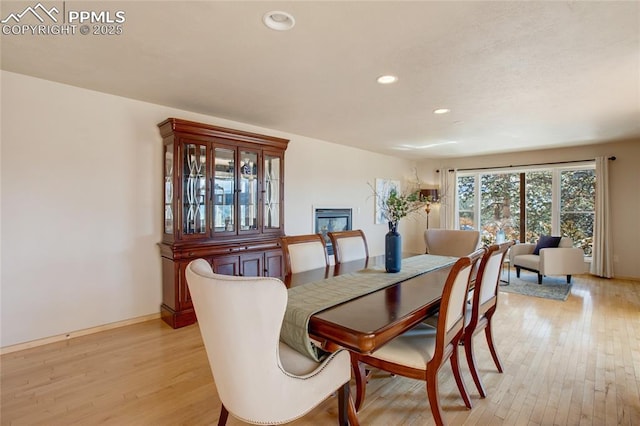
[[331, 220]]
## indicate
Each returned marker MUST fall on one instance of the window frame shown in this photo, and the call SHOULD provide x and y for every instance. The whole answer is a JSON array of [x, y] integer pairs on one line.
[[556, 172]]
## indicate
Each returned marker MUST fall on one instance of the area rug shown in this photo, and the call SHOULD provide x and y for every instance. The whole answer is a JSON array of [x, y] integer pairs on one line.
[[551, 288]]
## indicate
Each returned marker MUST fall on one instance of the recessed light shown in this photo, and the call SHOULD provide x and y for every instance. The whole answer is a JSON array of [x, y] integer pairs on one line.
[[278, 20], [387, 79], [441, 111]]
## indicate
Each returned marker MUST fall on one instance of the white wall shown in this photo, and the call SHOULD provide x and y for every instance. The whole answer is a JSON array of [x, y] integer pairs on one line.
[[81, 203], [328, 175], [624, 174]]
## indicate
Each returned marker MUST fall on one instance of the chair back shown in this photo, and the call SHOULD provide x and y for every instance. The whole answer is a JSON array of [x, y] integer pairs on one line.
[[451, 242], [304, 253], [565, 242], [240, 320], [349, 245], [485, 293], [454, 299]]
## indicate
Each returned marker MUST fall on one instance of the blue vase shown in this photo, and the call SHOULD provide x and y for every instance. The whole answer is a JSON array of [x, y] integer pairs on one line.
[[393, 249]]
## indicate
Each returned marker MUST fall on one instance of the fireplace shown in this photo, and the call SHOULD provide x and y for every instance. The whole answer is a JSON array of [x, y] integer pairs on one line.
[[331, 220]]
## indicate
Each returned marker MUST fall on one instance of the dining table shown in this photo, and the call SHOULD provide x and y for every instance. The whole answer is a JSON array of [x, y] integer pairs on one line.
[[365, 323]]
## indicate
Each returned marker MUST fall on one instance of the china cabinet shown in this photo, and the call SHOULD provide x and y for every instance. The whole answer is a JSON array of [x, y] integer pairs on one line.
[[223, 201]]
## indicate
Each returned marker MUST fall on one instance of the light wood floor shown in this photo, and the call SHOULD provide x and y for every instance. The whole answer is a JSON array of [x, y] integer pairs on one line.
[[566, 363]]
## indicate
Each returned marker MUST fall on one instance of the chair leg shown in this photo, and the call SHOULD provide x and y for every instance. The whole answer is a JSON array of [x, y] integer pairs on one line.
[[432, 394], [494, 354], [568, 279], [517, 271], [343, 405], [351, 413], [361, 381], [539, 278], [455, 366], [224, 415], [471, 361]]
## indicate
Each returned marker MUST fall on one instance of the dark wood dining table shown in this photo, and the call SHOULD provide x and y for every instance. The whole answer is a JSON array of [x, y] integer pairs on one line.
[[366, 323]]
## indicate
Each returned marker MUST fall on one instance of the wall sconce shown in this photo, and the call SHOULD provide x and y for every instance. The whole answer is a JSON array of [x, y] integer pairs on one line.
[[430, 196]]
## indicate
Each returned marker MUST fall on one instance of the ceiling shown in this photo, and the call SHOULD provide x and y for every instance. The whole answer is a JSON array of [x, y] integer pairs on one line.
[[515, 75]]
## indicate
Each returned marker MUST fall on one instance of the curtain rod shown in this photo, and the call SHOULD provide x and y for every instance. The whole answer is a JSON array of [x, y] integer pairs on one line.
[[612, 158]]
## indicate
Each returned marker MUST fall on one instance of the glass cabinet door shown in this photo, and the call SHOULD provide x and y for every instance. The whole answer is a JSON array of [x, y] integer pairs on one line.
[[271, 201], [168, 189], [223, 190], [248, 194], [194, 187]]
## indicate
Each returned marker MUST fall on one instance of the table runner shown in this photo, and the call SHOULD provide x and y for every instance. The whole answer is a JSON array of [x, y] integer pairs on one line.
[[311, 298]]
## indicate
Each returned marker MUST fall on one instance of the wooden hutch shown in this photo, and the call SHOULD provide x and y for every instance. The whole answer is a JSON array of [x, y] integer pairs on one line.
[[223, 201]]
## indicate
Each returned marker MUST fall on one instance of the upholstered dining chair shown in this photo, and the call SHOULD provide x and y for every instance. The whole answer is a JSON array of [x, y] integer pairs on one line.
[[259, 379], [420, 356], [349, 245], [304, 253], [451, 242], [483, 306]]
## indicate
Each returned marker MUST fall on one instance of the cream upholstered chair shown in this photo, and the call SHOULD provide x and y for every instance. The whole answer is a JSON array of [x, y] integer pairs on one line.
[[484, 300], [451, 242], [349, 245], [304, 253], [259, 379], [421, 356], [483, 306], [563, 259]]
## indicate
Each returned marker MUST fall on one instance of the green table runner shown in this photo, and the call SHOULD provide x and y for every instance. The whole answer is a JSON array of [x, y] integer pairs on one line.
[[311, 298]]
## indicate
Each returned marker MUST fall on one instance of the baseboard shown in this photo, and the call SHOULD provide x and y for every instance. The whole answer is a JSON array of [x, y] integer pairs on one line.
[[617, 277], [78, 333]]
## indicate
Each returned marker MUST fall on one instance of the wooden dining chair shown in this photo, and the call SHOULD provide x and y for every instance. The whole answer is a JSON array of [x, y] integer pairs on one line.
[[304, 253], [483, 307], [419, 356], [259, 379], [349, 245]]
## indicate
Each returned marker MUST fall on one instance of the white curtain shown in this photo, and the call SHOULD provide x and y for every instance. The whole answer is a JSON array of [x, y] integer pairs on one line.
[[449, 194], [602, 260]]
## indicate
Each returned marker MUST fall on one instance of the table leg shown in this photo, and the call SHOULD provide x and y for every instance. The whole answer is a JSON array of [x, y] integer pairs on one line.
[[360, 377]]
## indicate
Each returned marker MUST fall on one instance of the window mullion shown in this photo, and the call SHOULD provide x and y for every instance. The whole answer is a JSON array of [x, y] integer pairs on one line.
[[523, 206], [555, 202], [477, 203]]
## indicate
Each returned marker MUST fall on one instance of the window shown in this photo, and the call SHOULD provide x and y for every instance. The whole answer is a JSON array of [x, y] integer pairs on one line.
[[525, 204], [577, 206], [499, 206], [466, 202], [538, 205]]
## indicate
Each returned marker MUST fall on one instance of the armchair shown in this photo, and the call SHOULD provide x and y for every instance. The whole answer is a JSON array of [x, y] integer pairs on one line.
[[561, 260]]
